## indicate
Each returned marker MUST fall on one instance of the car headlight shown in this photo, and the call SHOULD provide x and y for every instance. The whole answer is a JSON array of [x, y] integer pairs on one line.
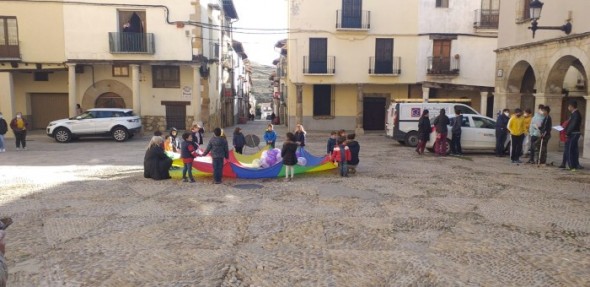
[[51, 124]]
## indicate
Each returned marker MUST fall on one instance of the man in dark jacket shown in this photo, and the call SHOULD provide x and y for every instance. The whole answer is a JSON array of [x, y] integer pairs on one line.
[[502, 131], [456, 133], [355, 149], [3, 130], [572, 131], [440, 123], [545, 135], [219, 150]]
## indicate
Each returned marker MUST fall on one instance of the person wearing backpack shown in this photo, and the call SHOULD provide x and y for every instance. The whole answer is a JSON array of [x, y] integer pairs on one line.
[[456, 134]]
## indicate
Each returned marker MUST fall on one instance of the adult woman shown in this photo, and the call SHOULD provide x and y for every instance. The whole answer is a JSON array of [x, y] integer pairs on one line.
[[156, 164], [424, 131], [19, 126], [300, 135]]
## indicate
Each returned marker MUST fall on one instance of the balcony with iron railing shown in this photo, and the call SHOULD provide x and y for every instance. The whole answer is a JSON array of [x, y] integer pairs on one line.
[[10, 50], [486, 18], [326, 66], [443, 65], [361, 22], [379, 67], [131, 43]]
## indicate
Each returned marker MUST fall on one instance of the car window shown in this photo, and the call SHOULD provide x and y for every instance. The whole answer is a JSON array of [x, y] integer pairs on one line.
[[88, 115], [104, 114], [465, 110], [464, 122], [118, 114], [483, 123], [128, 114]]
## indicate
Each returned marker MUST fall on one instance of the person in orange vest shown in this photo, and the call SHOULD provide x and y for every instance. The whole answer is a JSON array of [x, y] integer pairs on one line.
[[19, 126]]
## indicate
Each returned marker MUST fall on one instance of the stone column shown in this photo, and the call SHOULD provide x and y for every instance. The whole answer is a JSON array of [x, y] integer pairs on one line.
[[299, 105], [135, 89], [7, 99], [483, 106], [425, 94], [359, 130], [506, 101], [196, 101], [586, 146], [72, 97], [554, 102]]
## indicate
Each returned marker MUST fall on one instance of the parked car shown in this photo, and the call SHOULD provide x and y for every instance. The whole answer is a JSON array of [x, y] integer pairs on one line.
[[120, 124], [402, 118], [477, 133]]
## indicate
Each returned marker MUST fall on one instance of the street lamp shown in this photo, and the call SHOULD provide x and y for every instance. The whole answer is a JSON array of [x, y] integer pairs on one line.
[[535, 12]]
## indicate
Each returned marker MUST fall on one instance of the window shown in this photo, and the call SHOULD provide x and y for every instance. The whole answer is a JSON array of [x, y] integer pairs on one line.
[[8, 37], [132, 21], [120, 70], [526, 12], [383, 56], [465, 110], [166, 76], [318, 55], [322, 100], [483, 123], [464, 122], [442, 3], [41, 76], [441, 55], [352, 11]]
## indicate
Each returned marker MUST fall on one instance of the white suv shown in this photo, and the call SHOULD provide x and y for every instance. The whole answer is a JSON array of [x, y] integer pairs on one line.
[[121, 124]]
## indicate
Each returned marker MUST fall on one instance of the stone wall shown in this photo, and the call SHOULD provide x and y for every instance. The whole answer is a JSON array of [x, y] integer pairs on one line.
[[153, 123]]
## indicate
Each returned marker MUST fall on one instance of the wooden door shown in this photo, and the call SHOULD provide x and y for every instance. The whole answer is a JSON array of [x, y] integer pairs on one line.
[[441, 55], [176, 116], [383, 56], [374, 114], [48, 107], [318, 55], [352, 13]]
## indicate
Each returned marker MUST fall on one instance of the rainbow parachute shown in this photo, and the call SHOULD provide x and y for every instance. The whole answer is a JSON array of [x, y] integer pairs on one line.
[[248, 166]]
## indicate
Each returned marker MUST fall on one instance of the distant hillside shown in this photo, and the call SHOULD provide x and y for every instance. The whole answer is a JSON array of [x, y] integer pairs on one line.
[[262, 88]]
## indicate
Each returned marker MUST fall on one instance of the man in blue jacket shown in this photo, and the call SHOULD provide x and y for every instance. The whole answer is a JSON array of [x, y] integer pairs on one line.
[[502, 131]]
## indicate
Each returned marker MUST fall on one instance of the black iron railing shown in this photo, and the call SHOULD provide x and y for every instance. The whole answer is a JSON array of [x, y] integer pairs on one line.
[[355, 21], [128, 42], [10, 49], [443, 65], [325, 66], [385, 67]]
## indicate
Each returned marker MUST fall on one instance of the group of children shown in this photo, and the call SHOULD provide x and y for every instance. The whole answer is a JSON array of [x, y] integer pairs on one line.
[[344, 150]]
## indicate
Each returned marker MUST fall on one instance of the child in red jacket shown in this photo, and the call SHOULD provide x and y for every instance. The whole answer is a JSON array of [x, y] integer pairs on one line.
[[188, 152], [342, 155]]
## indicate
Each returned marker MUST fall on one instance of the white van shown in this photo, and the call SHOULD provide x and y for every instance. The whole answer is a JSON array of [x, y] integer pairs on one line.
[[402, 118]]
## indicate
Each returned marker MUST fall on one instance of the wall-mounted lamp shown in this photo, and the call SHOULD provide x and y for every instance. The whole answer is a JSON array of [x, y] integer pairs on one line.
[[535, 8]]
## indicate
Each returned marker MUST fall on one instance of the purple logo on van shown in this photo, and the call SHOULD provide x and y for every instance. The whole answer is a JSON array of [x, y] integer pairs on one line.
[[415, 113]]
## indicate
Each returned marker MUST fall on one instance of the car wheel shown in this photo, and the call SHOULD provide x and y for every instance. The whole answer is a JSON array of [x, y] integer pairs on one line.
[[401, 142], [62, 135], [120, 134], [448, 151], [412, 139]]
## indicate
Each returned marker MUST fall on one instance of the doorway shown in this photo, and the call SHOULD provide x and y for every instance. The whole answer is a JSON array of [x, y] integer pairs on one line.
[[109, 100], [46, 108], [176, 115], [374, 114]]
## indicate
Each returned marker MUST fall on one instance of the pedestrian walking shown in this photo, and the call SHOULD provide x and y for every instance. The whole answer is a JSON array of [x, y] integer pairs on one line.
[[535, 133], [544, 135], [289, 155], [457, 122], [188, 152], [331, 142], [270, 136], [441, 122], [218, 148], [239, 140], [79, 110], [571, 152], [19, 126], [300, 135], [502, 132], [355, 149], [342, 155], [516, 129], [424, 130], [3, 131]]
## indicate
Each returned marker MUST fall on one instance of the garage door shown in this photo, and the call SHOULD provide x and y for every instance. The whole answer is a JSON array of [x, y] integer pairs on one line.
[[48, 107], [374, 114]]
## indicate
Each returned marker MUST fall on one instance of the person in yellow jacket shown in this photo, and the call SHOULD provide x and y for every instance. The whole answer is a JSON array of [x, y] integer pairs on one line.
[[517, 129]]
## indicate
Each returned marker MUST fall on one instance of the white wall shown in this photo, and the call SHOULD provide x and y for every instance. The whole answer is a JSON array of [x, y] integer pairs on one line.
[[87, 28], [458, 18]]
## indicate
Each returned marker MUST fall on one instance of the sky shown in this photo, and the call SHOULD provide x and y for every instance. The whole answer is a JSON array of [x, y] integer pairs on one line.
[[266, 14]]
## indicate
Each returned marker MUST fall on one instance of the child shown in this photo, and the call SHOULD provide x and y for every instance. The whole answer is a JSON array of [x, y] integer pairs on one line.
[[300, 135], [218, 148], [342, 133], [342, 155], [270, 136], [331, 142], [197, 134], [168, 144], [175, 142], [355, 148], [239, 140], [188, 152], [289, 156]]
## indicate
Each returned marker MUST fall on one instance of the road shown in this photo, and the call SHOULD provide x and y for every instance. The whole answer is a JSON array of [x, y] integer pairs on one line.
[[85, 216]]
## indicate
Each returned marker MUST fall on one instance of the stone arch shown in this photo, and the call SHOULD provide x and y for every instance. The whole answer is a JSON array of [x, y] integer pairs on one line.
[[558, 68], [517, 74], [107, 86]]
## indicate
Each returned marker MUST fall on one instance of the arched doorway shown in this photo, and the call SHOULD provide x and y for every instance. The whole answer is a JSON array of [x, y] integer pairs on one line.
[[109, 100], [521, 85], [527, 89]]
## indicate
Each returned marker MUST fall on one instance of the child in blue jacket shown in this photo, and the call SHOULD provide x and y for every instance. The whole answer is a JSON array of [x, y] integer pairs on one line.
[[270, 136]]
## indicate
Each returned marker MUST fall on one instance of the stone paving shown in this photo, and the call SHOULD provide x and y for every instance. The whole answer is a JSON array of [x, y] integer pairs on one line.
[[85, 216]]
